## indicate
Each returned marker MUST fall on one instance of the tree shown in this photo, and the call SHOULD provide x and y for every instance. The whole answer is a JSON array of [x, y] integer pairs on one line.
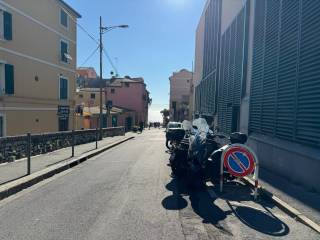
[[165, 114]]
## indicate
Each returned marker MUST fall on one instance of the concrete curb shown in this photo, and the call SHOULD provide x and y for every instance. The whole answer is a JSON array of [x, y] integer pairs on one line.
[[13, 187], [284, 206]]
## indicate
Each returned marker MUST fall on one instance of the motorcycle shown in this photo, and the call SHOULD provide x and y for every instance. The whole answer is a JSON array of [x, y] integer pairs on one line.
[[198, 155]]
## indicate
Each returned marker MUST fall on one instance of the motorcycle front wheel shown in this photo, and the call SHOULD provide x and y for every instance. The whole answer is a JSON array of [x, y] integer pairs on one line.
[[169, 144]]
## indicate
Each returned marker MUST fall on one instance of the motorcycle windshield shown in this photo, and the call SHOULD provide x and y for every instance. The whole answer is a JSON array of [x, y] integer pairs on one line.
[[201, 125], [186, 125]]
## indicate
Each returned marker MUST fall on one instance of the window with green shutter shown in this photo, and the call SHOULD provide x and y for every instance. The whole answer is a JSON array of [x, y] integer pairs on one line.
[[63, 51], [63, 89], [9, 79], [1, 126], [7, 26], [64, 18]]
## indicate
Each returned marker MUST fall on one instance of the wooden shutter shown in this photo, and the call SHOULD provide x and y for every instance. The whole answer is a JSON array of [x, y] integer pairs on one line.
[[63, 88], [64, 50], [9, 79], [7, 25]]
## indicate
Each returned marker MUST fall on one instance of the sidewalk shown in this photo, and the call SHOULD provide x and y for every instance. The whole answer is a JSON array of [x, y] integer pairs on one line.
[[307, 202], [18, 169]]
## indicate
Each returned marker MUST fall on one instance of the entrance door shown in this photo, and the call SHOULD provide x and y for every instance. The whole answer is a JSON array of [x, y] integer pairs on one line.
[[128, 123], [63, 124]]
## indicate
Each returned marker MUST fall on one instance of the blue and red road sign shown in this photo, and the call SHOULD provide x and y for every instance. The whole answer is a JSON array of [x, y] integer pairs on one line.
[[239, 161]]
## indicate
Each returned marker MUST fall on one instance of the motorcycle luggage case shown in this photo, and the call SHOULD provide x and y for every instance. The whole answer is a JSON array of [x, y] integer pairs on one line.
[[175, 134], [238, 137]]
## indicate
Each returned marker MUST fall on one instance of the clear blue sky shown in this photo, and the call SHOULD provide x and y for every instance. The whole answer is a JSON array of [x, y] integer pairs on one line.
[[160, 40]]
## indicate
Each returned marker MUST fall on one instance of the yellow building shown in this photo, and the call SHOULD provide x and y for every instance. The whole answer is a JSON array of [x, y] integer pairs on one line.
[[88, 102], [37, 66]]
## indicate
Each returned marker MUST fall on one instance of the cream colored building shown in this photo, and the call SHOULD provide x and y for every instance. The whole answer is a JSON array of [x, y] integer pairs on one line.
[[37, 66], [88, 108], [180, 90]]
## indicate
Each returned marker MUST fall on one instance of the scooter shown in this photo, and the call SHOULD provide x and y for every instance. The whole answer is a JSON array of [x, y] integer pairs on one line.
[[198, 155]]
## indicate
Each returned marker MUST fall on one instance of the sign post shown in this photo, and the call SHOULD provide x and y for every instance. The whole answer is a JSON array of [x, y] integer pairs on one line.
[[241, 161]]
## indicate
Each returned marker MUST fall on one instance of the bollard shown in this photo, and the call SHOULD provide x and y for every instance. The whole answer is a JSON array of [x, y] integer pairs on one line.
[[29, 152], [73, 143], [97, 136]]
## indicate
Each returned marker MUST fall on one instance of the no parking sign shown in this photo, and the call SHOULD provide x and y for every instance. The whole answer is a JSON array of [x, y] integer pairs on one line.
[[240, 161]]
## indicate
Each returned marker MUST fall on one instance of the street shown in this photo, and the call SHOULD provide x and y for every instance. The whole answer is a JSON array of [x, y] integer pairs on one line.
[[128, 193]]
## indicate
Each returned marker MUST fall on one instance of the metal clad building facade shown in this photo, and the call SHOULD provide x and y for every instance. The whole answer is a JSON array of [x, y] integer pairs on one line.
[[233, 67], [267, 81], [285, 89], [205, 93]]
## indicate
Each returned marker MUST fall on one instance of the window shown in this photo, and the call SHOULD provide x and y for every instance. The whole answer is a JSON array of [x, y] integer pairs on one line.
[[5, 25], [174, 105], [1, 126], [63, 88], [64, 20], [6, 79], [2, 79], [114, 121], [93, 96], [109, 104], [64, 51], [113, 90]]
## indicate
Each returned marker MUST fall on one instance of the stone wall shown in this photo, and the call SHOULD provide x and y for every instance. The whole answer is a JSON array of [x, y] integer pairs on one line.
[[13, 148]]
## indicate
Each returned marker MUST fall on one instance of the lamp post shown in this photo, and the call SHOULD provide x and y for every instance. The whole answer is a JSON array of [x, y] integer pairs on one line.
[[103, 30]]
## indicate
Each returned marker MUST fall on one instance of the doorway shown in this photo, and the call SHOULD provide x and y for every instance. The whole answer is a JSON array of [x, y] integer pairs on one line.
[[128, 123], [63, 124]]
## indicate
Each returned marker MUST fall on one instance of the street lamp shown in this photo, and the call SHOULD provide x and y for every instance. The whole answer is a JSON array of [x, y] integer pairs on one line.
[[102, 31]]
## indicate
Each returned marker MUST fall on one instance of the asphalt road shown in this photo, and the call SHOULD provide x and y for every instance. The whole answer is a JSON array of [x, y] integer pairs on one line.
[[127, 193]]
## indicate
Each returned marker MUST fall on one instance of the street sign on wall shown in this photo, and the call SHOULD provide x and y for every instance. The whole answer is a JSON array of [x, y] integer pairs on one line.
[[63, 112]]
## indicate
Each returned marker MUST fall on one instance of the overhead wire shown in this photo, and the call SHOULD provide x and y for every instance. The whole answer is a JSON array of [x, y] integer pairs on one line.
[[92, 38], [110, 61], [89, 57]]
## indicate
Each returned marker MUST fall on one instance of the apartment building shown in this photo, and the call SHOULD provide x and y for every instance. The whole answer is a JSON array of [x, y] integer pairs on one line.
[[84, 75], [37, 66], [265, 80], [88, 108], [131, 94], [180, 91]]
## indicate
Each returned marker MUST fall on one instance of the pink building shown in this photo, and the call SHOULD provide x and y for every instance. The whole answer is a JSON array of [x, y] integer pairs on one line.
[[86, 72], [129, 93]]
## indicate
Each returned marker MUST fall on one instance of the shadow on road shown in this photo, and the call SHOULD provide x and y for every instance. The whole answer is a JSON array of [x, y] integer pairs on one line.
[[259, 218], [203, 205], [264, 222]]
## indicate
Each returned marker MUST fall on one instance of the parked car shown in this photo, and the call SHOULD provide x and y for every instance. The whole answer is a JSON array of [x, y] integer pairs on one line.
[[174, 133]]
